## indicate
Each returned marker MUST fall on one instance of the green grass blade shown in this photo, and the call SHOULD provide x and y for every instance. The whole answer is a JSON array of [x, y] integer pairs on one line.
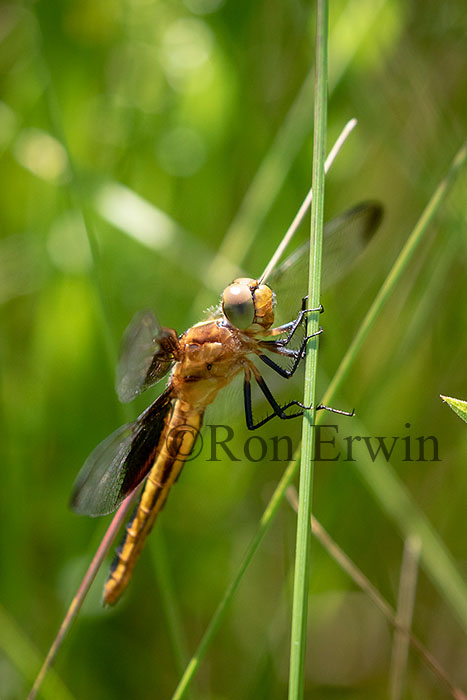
[[170, 605], [457, 405], [302, 556], [405, 608]]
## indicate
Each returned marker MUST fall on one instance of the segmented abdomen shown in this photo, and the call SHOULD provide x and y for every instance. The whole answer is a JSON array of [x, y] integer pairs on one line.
[[175, 444]]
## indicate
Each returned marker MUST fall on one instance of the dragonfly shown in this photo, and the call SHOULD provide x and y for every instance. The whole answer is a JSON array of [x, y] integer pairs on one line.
[[200, 362]]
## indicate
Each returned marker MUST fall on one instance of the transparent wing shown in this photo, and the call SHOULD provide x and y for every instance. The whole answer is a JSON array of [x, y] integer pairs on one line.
[[344, 239], [120, 462], [146, 355]]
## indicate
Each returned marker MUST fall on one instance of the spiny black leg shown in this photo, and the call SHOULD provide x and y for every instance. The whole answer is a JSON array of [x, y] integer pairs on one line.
[[279, 346], [279, 411], [247, 403], [304, 301], [251, 425], [295, 324], [296, 354], [292, 326], [321, 407]]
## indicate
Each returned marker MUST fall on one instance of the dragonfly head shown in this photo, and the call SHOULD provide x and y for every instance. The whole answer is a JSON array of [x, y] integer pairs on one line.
[[248, 305]]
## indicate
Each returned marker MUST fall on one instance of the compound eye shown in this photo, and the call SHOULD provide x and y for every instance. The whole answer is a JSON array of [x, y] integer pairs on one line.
[[238, 306]]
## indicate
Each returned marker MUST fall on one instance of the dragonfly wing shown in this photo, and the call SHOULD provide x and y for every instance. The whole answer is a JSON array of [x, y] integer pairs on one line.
[[120, 462], [146, 355], [344, 239]]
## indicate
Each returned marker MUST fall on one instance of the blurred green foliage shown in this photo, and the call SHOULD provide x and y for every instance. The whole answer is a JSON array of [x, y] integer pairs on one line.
[[133, 136]]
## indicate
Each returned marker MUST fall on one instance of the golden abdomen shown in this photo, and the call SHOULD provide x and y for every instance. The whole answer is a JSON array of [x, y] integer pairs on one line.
[[175, 444]]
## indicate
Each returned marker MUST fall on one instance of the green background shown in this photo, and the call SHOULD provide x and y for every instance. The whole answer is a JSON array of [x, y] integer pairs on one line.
[[148, 151]]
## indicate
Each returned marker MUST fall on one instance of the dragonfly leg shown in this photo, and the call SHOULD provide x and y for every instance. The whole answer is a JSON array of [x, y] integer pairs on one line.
[[296, 354], [321, 407], [292, 326], [279, 411], [320, 308]]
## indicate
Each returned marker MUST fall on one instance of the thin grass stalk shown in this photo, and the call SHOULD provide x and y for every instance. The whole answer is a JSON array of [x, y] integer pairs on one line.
[[169, 600], [302, 556], [404, 616], [290, 472], [82, 592]]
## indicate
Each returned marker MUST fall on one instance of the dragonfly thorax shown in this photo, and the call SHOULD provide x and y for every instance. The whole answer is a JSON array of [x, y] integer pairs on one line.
[[248, 305]]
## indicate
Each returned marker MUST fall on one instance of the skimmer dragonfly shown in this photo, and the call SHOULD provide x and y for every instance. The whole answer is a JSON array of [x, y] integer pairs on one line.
[[202, 361]]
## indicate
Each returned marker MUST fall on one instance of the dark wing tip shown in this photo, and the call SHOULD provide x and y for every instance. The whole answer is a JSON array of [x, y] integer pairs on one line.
[[373, 212], [81, 504], [72, 503]]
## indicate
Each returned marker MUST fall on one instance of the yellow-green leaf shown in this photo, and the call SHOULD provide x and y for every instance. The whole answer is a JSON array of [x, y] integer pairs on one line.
[[457, 405]]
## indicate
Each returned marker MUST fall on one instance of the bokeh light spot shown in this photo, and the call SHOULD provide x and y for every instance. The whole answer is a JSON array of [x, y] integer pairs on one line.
[[186, 48], [42, 155]]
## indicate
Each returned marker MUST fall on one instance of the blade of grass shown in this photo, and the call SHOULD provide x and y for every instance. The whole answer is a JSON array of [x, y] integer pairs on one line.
[[457, 405], [302, 555], [81, 594], [291, 470], [170, 606], [404, 615]]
